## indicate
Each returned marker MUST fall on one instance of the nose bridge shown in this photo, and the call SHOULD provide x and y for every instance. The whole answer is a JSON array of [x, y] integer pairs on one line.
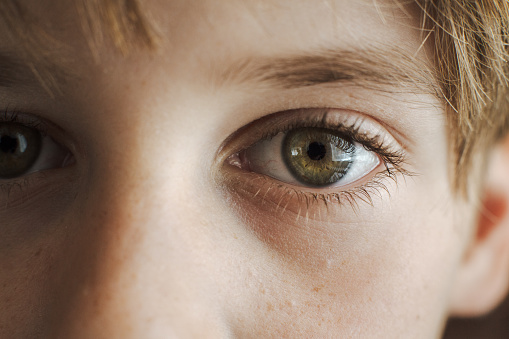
[[143, 257]]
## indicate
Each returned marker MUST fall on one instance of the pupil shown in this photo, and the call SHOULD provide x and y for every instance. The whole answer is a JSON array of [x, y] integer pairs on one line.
[[316, 151], [8, 144]]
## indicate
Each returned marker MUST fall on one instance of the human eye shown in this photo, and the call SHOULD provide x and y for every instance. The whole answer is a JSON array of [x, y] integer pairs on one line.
[[316, 155], [26, 148], [309, 156]]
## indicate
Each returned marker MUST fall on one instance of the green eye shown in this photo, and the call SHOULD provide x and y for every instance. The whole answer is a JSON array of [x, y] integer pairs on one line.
[[317, 156], [309, 156], [20, 147]]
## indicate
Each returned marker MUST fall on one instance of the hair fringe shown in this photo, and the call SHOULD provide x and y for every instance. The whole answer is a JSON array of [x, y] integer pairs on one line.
[[471, 50], [122, 19]]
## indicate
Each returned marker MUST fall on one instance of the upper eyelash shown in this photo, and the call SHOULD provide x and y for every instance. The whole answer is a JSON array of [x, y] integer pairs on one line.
[[393, 159], [15, 116]]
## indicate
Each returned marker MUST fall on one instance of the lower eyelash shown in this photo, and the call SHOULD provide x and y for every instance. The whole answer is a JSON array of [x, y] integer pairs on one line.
[[354, 196], [310, 204], [18, 189]]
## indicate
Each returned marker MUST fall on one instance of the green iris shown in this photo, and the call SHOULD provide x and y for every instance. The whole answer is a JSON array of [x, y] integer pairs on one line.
[[19, 149], [317, 156]]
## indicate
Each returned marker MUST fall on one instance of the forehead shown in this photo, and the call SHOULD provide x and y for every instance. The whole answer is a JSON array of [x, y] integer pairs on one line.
[[319, 22]]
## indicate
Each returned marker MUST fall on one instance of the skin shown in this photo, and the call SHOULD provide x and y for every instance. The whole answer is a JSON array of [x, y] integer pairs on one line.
[[151, 233]]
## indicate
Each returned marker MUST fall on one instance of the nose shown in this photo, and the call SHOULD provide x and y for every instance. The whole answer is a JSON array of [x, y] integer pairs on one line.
[[143, 259]]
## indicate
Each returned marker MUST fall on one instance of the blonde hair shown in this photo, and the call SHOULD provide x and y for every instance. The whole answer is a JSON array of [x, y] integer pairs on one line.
[[470, 42], [472, 53]]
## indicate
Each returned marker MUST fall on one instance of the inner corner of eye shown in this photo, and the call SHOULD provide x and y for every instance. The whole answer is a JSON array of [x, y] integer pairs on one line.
[[235, 160]]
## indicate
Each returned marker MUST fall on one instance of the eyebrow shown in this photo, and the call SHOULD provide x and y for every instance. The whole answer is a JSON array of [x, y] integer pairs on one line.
[[13, 70], [21, 70], [373, 68]]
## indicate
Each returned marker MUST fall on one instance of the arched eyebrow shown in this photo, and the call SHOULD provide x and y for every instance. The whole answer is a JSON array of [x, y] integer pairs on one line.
[[373, 68], [385, 70]]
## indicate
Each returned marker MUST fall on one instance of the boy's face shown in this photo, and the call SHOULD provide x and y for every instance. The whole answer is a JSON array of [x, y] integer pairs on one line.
[[163, 225]]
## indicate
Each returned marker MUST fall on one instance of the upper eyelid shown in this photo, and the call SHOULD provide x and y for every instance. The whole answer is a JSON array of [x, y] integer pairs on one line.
[[332, 118], [29, 120]]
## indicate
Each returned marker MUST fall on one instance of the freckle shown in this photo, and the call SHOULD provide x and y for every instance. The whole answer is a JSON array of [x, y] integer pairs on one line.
[[318, 288], [262, 291], [270, 307]]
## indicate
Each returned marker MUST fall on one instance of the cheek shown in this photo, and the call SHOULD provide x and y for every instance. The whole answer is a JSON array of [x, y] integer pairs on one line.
[[344, 267], [30, 250]]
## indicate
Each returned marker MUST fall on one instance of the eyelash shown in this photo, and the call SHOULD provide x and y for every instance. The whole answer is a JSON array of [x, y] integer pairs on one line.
[[15, 116], [393, 160]]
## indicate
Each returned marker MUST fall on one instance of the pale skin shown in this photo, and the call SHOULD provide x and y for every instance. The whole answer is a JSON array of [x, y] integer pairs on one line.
[[153, 231]]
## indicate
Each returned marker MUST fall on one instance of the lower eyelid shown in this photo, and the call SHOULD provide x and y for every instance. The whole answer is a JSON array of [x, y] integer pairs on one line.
[[297, 199], [262, 193], [21, 191]]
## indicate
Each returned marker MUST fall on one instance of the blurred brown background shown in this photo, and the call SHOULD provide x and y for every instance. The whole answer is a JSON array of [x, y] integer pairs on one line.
[[493, 326]]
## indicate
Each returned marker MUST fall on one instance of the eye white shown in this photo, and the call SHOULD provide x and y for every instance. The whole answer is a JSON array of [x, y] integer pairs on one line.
[[52, 155], [265, 157]]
